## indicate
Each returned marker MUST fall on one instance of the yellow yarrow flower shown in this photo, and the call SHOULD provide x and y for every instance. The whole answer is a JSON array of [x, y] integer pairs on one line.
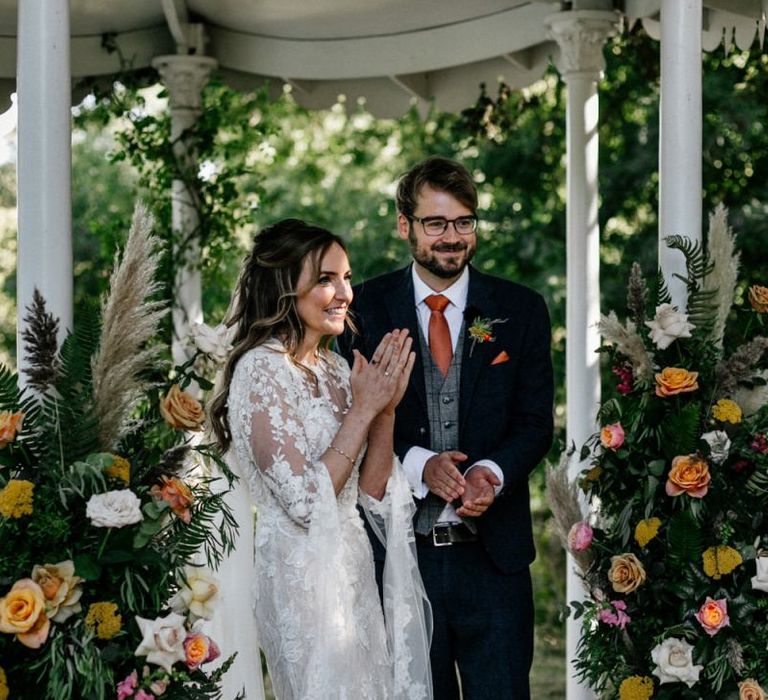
[[727, 411], [119, 469], [16, 498], [720, 560], [636, 688], [646, 530], [104, 620], [3, 685]]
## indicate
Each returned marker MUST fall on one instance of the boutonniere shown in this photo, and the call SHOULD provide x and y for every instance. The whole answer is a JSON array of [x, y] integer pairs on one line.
[[481, 328]]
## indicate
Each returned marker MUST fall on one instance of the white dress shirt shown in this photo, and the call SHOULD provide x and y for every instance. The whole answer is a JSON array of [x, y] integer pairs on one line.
[[417, 457]]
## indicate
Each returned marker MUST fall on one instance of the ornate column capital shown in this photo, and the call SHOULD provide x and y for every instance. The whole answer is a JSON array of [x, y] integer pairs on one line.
[[581, 34], [185, 77]]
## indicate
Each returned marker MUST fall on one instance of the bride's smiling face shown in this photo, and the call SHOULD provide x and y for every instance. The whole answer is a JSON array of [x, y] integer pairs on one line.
[[324, 298]]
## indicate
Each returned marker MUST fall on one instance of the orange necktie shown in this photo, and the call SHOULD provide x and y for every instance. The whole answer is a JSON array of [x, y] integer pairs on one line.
[[439, 334]]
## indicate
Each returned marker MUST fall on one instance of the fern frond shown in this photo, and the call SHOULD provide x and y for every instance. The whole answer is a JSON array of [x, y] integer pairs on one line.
[[701, 304], [662, 291], [130, 321], [684, 538], [697, 263], [70, 426], [25, 447]]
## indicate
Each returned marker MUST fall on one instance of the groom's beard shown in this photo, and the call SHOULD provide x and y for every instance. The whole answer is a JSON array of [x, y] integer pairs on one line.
[[446, 267]]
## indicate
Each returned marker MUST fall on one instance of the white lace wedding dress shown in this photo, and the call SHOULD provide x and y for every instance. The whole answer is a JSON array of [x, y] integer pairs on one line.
[[315, 601]]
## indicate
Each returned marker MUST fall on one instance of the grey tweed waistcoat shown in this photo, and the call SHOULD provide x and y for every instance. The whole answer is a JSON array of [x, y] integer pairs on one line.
[[443, 412]]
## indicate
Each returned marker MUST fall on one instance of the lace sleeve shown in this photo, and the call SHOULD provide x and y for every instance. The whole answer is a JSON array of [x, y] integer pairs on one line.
[[277, 440]]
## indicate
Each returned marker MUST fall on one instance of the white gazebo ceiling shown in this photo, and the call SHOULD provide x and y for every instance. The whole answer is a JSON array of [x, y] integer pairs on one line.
[[390, 51]]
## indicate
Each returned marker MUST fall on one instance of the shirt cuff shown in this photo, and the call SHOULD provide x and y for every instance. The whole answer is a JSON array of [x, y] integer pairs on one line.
[[413, 466], [495, 468]]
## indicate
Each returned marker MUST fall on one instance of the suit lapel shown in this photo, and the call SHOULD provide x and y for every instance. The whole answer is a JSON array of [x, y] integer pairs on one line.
[[402, 310], [475, 355]]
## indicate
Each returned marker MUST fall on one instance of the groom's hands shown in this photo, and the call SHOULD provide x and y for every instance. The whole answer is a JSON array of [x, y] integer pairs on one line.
[[442, 476], [479, 491]]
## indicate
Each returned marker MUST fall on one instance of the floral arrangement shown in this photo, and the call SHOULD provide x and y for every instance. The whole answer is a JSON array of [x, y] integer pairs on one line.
[[110, 524], [674, 551], [480, 329]]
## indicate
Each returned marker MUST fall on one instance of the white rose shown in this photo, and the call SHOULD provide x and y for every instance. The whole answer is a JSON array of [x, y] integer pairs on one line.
[[214, 342], [668, 325], [674, 662], [162, 640], [114, 509], [719, 445], [198, 596], [760, 579]]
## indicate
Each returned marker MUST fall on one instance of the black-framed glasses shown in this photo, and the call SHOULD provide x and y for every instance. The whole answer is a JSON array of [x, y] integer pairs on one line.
[[438, 225]]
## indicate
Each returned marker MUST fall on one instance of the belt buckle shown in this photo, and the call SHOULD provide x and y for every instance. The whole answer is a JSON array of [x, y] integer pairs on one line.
[[441, 526]]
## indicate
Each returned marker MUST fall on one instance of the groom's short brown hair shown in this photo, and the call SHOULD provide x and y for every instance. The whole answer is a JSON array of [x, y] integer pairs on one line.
[[442, 174]]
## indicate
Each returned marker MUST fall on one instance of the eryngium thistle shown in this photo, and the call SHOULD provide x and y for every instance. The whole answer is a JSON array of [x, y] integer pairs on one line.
[[129, 322], [40, 345], [637, 294], [735, 656]]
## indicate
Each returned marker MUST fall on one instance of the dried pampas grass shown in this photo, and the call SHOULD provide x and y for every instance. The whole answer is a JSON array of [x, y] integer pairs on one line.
[[628, 342], [564, 501], [129, 321], [721, 248]]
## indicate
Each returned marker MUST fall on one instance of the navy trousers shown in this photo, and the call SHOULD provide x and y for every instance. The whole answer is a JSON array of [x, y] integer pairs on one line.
[[483, 623]]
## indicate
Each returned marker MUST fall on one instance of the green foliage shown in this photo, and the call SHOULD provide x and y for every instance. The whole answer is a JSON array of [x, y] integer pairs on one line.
[[135, 561], [687, 458]]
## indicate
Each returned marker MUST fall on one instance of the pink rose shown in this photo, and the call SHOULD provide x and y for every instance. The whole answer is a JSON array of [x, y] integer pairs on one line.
[[713, 615], [144, 695], [612, 436], [580, 536], [125, 687]]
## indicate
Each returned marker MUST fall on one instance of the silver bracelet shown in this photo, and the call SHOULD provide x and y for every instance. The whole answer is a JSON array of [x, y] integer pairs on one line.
[[343, 454]]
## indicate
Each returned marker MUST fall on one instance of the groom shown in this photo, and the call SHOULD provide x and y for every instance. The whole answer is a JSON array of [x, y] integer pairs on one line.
[[475, 421]]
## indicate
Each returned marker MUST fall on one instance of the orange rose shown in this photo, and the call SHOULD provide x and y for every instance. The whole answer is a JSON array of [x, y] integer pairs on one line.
[[626, 573], [676, 380], [22, 612], [758, 297], [689, 474], [198, 649], [750, 690], [181, 410], [177, 494], [10, 425]]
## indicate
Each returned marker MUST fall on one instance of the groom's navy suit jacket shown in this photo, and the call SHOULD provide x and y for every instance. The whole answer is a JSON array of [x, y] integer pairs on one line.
[[505, 407]]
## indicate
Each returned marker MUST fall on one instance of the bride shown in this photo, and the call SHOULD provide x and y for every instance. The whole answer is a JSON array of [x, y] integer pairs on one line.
[[312, 439]]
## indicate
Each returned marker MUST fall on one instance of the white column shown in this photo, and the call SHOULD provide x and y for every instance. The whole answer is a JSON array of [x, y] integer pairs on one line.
[[44, 163], [185, 77], [680, 150], [581, 35]]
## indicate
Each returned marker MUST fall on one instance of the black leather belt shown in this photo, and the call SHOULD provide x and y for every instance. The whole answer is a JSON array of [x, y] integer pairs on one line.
[[445, 534]]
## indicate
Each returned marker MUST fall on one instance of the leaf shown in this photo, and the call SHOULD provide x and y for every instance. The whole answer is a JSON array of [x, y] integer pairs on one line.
[[87, 567], [681, 431], [684, 538]]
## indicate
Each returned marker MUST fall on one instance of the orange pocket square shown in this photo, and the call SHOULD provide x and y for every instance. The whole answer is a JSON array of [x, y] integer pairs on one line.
[[501, 357]]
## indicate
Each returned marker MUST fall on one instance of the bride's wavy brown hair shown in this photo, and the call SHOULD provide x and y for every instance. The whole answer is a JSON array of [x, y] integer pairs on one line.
[[264, 303]]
